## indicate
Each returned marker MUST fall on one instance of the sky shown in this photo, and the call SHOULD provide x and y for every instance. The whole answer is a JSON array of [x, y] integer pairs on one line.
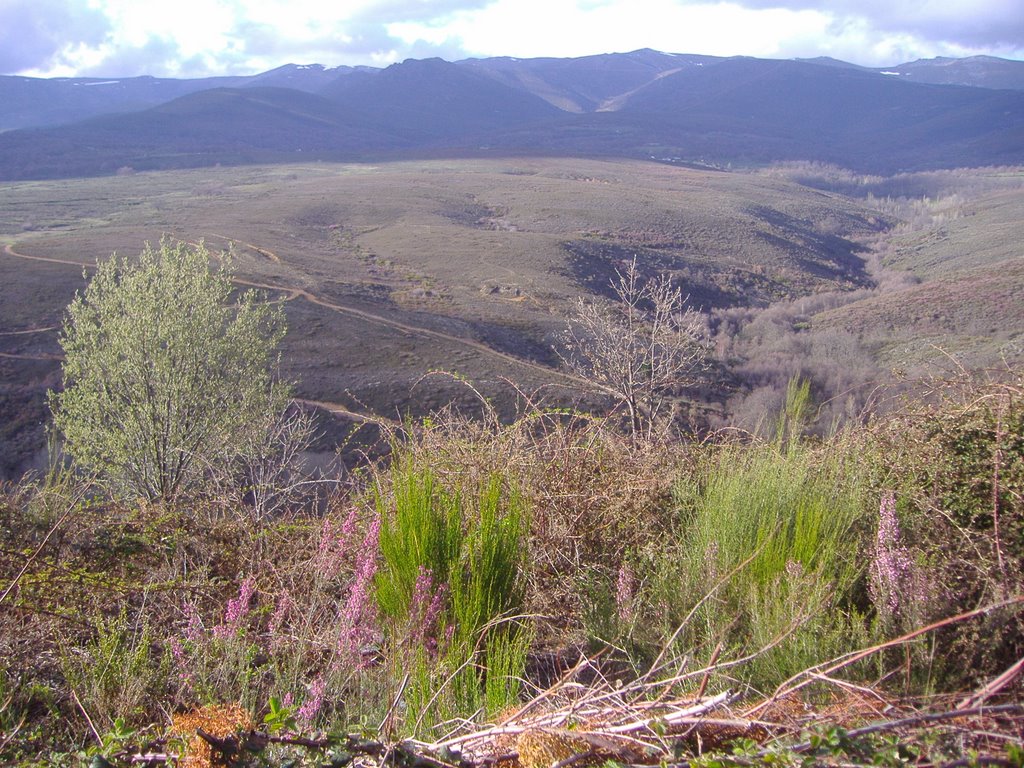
[[195, 38]]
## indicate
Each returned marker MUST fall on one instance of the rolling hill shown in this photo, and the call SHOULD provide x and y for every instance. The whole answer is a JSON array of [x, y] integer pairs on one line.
[[641, 105], [390, 271]]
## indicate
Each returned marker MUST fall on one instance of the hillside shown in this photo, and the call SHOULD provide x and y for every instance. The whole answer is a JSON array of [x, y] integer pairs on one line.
[[433, 101], [683, 109], [394, 270], [763, 111], [588, 83], [970, 265]]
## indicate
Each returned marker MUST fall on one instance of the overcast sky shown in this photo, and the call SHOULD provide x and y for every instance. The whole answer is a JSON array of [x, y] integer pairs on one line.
[[191, 38]]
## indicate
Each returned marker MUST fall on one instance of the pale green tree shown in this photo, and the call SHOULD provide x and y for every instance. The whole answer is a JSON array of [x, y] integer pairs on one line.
[[169, 375]]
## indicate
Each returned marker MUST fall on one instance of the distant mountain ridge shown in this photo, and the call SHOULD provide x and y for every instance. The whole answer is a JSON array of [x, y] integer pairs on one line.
[[583, 84], [680, 107], [975, 71]]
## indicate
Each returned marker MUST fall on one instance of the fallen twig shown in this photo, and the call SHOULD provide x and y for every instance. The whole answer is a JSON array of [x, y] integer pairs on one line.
[[994, 686], [827, 668]]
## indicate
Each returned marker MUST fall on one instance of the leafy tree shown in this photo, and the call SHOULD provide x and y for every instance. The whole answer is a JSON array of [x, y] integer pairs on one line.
[[642, 349], [166, 378]]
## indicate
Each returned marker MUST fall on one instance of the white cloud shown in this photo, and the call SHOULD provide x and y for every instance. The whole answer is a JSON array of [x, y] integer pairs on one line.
[[576, 28], [190, 37]]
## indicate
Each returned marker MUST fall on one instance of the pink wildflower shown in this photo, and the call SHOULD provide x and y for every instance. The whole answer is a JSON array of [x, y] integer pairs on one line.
[[314, 702], [326, 537], [237, 610], [357, 615], [277, 620], [625, 592], [181, 661], [425, 610], [334, 545], [194, 624], [889, 575]]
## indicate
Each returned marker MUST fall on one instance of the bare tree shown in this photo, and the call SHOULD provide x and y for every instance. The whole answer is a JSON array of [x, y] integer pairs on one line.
[[642, 349], [273, 475]]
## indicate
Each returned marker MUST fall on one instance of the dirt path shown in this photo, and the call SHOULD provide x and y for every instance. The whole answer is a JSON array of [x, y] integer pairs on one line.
[[340, 410], [37, 356], [413, 330], [9, 250], [267, 254], [28, 331], [371, 317]]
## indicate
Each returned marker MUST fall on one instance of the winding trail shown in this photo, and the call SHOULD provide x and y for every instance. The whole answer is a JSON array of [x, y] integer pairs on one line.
[[413, 330], [340, 410], [37, 356], [9, 250], [28, 331], [267, 254], [293, 293]]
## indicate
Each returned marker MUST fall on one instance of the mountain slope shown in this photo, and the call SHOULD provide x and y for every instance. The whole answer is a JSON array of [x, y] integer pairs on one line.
[[752, 110], [433, 100], [588, 83], [716, 111], [227, 125], [37, 102], [976, 71]]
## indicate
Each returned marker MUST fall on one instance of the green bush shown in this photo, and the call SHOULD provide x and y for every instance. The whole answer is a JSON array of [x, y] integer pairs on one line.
[[451, 592], [119, 673], [771, 534], [165, 378], [956, 464]]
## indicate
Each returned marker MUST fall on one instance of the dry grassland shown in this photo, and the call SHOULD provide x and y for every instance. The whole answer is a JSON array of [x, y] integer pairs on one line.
[[391, 271]]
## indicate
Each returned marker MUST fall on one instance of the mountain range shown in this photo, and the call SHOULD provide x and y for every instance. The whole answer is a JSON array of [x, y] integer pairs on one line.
[[937, 113]]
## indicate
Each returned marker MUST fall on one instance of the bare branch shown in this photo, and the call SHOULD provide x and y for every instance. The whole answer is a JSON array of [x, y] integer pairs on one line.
[[643, 349]]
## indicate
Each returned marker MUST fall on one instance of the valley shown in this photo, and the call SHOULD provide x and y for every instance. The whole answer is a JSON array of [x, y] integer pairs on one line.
[[393, 273], [514, 481]]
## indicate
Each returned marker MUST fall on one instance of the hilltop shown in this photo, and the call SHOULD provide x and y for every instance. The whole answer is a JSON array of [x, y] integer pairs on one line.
[[645, 104]]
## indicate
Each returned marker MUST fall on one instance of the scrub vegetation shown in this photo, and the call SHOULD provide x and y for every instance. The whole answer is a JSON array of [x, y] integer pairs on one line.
[[874, 574], [784, 554]]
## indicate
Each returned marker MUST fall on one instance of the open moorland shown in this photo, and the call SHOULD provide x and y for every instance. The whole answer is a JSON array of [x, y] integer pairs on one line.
[[389, 272], [524, 583]]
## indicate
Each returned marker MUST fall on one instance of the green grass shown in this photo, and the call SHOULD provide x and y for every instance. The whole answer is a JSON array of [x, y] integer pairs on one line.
[[768, 558], [424, 530], [451, 591]]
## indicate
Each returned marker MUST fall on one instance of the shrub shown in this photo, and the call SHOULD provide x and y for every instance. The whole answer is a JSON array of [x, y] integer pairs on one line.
[[956, 463], [164, 377], [116, 674], [771, 535], [451, 591]]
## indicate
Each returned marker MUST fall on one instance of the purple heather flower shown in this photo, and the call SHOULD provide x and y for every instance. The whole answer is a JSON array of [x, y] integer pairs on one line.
[[180, 659], [335, 544], [890, 573], [194, 624], [357, 615], [236, 611], [314, 702], [625, 592], [425, 610], [277, 620]]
